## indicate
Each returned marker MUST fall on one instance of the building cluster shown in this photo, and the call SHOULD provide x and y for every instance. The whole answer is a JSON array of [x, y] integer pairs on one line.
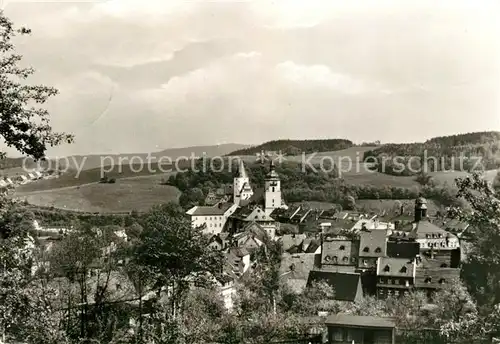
[[357, 254], [8, 183]]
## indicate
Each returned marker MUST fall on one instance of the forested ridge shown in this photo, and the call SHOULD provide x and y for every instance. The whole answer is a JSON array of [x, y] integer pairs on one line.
[[294, 147]]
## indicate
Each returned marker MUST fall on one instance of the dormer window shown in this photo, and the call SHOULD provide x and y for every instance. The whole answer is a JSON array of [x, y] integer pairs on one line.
[[403, 269], [345, 260], [428, 280], [342, 248], [442, 280], [378, 250], [366, 249], [387, 268], [327, 258], [335, 259]]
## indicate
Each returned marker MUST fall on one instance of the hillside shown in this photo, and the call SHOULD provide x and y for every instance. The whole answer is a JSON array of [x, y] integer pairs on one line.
[[462, 152], [295, 147], [125, 195], [92, 161]]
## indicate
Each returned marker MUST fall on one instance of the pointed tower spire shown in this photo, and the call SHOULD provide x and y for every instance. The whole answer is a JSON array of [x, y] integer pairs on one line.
[[242, 173]]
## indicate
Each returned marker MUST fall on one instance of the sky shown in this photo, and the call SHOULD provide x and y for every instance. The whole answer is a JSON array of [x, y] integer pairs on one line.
[[145, 75]]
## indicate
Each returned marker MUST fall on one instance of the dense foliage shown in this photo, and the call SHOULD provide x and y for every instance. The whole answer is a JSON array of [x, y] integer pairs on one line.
[[23, 125], [465, 152], [295, 147], [303, 184]]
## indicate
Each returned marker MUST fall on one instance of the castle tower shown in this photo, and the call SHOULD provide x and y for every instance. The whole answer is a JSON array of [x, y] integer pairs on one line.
[[273, 198], [241, 185], [420, 209]]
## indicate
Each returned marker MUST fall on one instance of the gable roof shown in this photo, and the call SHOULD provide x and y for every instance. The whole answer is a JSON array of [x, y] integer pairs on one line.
[[217, 210], [397, 267], [295, 270], [373, 243], [342, 248], [289, 241], [345, 284]]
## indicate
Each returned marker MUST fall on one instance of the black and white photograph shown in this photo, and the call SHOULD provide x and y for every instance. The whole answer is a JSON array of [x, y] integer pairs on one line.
[[249, 171]]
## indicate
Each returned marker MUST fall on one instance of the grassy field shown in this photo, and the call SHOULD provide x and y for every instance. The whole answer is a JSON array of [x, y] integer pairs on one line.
[[73, 178], [140, 193]]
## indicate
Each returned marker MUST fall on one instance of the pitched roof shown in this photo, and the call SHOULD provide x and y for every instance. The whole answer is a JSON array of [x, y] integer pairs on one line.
[[342, 248], [373, 243], [434, 277], [239, 251], [360, 321], [345, 284], [295, 269], [217, 210], [397, 267], [289, 241]]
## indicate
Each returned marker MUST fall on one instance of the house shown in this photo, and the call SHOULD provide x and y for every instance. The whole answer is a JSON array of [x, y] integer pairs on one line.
[[22, 178], [295, 269], [347, 285], [219, 242], [372, 245], [346, 329], [339, 252], [213, 218], [311, 245], [239, 259], [292, 243], [227, 289], [395, 276], [252, 238]]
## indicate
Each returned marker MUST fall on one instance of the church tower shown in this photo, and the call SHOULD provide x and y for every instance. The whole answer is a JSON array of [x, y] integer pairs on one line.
[[241, 185], [273, 198]]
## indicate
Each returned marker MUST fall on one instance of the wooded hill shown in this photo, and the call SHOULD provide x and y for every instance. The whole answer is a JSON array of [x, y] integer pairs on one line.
[[471, 151], [295, 147]]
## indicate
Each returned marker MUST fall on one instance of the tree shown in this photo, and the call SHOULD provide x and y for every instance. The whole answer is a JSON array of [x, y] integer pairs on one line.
[[481, 272], [23, 126], [26, 308], [175, 254]]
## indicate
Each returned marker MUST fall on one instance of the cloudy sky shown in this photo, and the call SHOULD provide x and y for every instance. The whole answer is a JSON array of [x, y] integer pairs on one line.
[[143, 75]]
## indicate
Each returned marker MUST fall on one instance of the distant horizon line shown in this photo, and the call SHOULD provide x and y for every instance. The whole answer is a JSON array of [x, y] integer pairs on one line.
[[250, 145]]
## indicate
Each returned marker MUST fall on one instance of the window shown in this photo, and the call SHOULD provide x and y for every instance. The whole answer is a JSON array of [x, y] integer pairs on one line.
[[444, 265], [428, 280], [366, 249], [334, 259], [378, 250], [407, 283], [327, 258], [342, 248], [345, 259], [394, 281], [442, 280], [273, 189], [387, 268], [365, 262], [403, 269], [353, 259], [396, 293], [381, 281]]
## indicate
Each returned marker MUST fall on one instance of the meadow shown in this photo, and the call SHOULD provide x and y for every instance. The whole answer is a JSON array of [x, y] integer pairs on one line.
[[127, 194]]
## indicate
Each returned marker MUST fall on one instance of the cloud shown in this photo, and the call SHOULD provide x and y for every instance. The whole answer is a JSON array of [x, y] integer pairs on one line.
[[173, 73]]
